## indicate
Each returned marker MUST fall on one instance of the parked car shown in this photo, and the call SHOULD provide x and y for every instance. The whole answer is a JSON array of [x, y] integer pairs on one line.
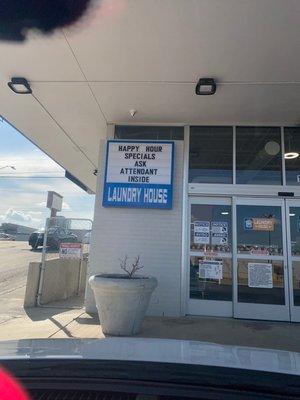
[[86, 238], [5, 236], [55, 237]]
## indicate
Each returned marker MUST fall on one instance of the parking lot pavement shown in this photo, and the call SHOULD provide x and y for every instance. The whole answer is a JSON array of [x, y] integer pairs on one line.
[[14, 260]]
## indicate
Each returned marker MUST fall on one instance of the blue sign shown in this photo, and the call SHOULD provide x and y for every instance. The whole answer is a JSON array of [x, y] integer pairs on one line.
[[248, 223], [139, 174]]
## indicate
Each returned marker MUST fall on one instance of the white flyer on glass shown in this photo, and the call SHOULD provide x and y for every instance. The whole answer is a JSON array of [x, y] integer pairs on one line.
[[201, 232], [211, 269], [202, 226], [219, 238], [219, 227], [260, 275], [201, 237]]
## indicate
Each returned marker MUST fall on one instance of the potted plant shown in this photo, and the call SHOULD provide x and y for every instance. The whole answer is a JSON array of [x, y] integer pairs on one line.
[[122, 299]]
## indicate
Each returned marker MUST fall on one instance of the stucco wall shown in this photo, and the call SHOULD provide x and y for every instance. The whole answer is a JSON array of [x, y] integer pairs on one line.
[[155, 235], [60, 280]]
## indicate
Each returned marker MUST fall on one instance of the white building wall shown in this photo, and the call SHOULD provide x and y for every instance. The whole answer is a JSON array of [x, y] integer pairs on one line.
[[153, 234]]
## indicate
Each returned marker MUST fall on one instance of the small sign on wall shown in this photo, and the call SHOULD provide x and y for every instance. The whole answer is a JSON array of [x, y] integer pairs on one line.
[[70, 251], [139, 174]]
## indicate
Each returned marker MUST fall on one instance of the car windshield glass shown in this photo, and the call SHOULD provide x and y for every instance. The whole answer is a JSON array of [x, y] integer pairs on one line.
[[150, 179]]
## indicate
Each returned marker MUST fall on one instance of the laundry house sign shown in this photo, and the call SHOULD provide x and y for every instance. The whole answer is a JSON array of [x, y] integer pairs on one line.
[[139, 174]]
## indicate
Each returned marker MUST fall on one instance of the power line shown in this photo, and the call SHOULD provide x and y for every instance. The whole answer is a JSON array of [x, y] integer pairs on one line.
[[32, 177], [31, 172]]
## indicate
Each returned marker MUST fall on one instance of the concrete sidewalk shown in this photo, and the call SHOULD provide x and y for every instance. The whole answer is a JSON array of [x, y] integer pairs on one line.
[[67, 323]]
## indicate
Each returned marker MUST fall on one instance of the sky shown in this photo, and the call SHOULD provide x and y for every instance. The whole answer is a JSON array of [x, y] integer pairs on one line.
[[23, 191]]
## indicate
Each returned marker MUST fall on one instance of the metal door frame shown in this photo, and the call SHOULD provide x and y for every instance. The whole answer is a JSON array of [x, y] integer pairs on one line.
[[214, 308], [295, 310], [257, 310]]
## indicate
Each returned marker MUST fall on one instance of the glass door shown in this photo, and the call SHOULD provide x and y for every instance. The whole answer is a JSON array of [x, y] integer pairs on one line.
[[293, 245], [210, 257], [260, 273]]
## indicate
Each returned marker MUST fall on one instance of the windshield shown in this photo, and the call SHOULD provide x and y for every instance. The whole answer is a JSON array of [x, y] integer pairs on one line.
[[150, 173]]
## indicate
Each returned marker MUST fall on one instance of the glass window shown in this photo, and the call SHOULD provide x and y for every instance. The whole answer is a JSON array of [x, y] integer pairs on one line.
[[294, 215], [292, 165], [259, 230], [210, 158], [216, 286], [261, 295], [258, 156], [210, 223], [149, 132], [211, 272]]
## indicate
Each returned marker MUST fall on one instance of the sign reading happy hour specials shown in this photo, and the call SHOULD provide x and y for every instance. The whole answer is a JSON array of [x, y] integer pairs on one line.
[[139, 174]]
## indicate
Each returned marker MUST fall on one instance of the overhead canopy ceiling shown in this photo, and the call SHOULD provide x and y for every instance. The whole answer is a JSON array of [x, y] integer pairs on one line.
[[148, 55]]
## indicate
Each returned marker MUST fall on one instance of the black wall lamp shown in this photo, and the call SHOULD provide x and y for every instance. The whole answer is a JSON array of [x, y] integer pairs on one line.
[[20, 85], [206, 87]]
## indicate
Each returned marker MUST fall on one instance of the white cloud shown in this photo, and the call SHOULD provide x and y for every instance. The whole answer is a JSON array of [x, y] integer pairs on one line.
[[30, 164], [20, 217], [65, 205], [35, 212]]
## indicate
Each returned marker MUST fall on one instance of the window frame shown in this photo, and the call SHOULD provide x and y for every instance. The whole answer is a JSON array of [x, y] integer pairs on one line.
[[232, 189]]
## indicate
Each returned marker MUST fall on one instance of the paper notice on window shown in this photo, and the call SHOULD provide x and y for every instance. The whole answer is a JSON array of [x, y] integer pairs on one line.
[[211, 270], [219, 227], [201, 232], [219, 238], [202, 226], [201, 237], [260, 275]]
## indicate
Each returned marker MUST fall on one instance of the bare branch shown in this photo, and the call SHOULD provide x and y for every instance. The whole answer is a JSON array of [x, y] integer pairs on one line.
[[135, 266], [123, 265]]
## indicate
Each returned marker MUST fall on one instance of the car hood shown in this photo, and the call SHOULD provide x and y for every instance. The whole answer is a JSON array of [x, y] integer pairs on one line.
[[154, 350]]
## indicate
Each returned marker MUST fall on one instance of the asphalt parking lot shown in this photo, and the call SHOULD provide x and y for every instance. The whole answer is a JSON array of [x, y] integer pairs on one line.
[[14, 260]]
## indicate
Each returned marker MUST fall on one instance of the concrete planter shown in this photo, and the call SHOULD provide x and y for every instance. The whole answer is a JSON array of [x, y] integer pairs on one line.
[[122, 302]]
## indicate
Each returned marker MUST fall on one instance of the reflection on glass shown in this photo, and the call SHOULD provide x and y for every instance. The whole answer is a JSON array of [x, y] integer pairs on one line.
[[149, 132], [296, 282], [294, 215], [210, 155], [210, 228], [292, 165], [208, 282], [258, 155], [259, 230], [272, 293]]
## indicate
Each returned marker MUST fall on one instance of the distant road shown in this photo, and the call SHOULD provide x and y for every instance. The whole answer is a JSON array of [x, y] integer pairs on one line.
[[14, 260]]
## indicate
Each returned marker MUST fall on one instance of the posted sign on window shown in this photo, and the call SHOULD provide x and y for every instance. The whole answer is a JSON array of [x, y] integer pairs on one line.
[[139, 174]]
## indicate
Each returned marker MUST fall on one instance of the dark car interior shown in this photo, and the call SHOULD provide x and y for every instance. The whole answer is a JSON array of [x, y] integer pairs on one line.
[[94, 379]]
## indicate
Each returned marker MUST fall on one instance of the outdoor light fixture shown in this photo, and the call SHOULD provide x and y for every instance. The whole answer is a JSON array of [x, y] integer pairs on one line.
[[20, 85], [206, 87], [291, 155]]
